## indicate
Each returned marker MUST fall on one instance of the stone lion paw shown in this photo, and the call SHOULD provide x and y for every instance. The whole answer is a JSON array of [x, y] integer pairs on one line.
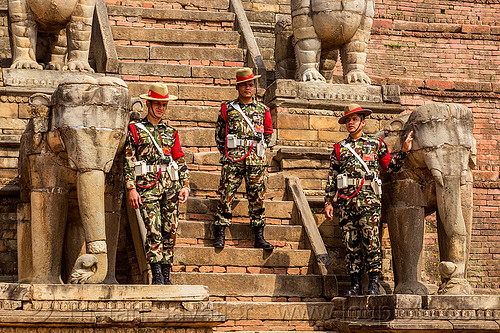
[[26, 64], [411, 287], [54, 66], [311, 74], [78, 66], [357, 76]]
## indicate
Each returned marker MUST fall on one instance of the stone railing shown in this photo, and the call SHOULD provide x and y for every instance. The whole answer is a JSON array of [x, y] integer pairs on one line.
[[254, 56]]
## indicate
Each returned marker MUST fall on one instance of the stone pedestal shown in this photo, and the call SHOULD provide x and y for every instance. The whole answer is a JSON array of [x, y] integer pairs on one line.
[[413, 313], [306, 113], [89, 308]]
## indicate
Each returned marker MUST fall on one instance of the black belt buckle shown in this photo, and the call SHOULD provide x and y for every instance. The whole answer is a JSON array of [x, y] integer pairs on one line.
[[369, 177], [165, 161]]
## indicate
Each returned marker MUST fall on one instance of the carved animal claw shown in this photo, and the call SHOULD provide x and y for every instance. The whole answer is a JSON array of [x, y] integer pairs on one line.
[[311, 74], [85, 267], [357, 76], [56, 66], [26, 64], [78, 66]]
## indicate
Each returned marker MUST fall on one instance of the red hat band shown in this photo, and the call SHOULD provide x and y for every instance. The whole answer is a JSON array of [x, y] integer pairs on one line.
[[244, 78], [353, 110], [154, 94]]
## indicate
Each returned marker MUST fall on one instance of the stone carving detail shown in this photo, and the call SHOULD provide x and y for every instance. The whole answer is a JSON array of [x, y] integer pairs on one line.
[[72, 142], [68, 25], [323, 29], [436, 177]]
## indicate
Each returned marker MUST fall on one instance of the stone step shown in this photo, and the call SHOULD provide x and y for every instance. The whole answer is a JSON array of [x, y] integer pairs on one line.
[[274, 208], [209, 73], [170, 14], [189, 93], [265, 285], [221, 5], [207, 55], [202, 180], [243, 258], [176, 36], [200, 233]]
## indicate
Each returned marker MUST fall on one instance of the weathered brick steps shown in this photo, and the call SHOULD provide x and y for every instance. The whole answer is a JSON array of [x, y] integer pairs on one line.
[[214, 56], [200, 233], [193, 4], [180, 37], [198, 74], [244, 260], [266, 285], [157, 15], [210, 180]]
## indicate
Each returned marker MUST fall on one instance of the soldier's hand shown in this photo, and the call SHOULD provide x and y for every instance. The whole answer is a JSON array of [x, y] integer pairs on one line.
[[329, 212], [183, 195], [408, 142], [134, 199]]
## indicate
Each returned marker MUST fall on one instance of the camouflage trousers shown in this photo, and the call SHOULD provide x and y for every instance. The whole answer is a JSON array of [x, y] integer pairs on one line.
[[231, 177], [360, 232], [161, 218]]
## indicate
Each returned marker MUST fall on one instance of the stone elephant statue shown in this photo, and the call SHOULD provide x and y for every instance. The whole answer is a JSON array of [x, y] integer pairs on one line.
[[321, 30], [66, 25], [436, 177], [71, 174]]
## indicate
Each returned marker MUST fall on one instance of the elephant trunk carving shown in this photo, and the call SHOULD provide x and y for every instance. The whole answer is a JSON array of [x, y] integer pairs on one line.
[[90, 189]]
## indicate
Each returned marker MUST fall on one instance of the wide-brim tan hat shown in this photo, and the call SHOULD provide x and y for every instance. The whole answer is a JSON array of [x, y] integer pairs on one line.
[[245, 74], [352, 109], [158, 92]]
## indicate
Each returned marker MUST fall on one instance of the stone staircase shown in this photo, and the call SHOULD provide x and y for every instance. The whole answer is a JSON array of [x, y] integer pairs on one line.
[[257, 290], [193, 47]]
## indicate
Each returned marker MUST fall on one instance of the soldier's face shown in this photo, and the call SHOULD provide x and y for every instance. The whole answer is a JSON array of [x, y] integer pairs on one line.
[[157, 108], [246, 89], [354, 124]]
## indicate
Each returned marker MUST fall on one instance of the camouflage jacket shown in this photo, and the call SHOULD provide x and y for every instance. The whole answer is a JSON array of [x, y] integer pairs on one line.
[[167, 138], [230, 121], [375, 154]]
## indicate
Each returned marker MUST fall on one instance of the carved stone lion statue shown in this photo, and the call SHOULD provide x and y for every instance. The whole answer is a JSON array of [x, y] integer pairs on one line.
[[321, 30], [61, 28]]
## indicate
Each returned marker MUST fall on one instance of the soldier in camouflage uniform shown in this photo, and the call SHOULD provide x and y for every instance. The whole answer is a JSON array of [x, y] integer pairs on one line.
[[242, 143], [356, 189], [157, 180]]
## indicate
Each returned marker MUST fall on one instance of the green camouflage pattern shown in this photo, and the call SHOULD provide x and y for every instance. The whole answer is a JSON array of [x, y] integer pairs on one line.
[[161, 219], [255, 111], [232, 175], [359, 222], [360, 214], [159, 194]]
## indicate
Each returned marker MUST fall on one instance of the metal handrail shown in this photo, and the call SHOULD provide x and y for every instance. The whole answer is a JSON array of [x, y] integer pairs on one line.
[[255, 57]]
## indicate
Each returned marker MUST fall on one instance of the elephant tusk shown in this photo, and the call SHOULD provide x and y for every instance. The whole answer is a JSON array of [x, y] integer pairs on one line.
[[438, 176]]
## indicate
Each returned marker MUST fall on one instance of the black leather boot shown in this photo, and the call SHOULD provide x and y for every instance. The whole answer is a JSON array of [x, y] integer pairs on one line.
[[165, 270], [156, 272], [220, 236], [373, 286], [260, 242], [355, 289]]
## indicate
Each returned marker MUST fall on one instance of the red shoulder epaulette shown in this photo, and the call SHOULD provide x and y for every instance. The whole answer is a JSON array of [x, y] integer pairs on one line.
[[133, 130], [224, 111], [337, 151]]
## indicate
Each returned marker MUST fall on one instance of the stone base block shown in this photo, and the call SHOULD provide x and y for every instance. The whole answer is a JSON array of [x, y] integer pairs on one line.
[[307, 113], [414, 313], [89, 308]]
